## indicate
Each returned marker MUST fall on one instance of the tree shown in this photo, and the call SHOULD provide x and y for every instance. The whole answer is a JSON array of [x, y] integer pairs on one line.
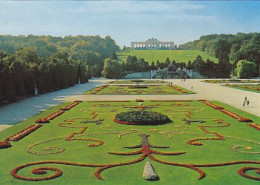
[[152, 66], [167, 61], [114, 56], [209, 69], [158, 64], [189, 65], [112, 69], [198, 64], [224, 66], [245, 69]]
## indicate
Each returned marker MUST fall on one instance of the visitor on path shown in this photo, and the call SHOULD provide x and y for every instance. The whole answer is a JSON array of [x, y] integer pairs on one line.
[[247, 103], [191, 87]]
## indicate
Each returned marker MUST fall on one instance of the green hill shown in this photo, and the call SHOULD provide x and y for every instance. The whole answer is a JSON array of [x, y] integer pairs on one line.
[[161, 55]]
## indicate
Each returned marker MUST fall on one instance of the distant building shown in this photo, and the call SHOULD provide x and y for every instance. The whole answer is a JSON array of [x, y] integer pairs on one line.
[[152, 44]]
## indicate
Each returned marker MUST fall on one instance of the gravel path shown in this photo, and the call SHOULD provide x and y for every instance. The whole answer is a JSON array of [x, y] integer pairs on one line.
[[21, 110]]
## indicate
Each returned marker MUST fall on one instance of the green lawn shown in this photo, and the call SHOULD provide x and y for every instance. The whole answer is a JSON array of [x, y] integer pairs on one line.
[[134, 90], [161, 55], [246, 87], [75, 156]]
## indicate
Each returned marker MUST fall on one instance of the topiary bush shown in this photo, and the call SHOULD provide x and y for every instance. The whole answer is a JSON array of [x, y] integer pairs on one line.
[[141, 118]]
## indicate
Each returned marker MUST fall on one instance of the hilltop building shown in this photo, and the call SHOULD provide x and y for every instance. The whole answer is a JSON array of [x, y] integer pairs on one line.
[[152, 44]]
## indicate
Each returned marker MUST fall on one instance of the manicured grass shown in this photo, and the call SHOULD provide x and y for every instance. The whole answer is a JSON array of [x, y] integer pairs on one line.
[[139, 82], [161, 55], [246, 87], [129, 90], [231, 81], [116, 136]]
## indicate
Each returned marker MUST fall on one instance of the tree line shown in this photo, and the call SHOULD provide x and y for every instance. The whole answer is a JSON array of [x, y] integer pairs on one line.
[[49, 63], [114, 68], [242, 51]]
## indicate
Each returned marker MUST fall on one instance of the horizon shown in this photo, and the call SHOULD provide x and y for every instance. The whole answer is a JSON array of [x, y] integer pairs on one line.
[[128, 21]]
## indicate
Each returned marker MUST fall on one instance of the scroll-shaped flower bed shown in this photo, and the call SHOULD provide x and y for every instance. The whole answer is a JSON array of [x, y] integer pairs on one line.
[[141, 118]]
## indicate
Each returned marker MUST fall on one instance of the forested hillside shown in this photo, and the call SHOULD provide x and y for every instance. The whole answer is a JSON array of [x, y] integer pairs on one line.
[[49, 63], [230, 47]]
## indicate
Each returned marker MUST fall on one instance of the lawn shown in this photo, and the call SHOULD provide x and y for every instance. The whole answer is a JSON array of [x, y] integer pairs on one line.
[[206, 143], [246, 87], [139, 90], [161, 55]]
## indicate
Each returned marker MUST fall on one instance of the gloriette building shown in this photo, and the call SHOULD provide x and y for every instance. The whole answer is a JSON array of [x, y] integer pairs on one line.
[[152, 44]]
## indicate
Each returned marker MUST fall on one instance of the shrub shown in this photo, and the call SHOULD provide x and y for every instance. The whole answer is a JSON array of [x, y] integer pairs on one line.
[[142, 118]]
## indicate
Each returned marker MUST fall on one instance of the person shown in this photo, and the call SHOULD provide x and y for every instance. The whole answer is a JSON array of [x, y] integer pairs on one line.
[[247, 103], [191, 87]]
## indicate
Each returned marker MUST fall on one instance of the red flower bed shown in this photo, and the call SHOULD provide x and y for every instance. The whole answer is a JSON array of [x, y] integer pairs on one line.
[[242, 172], [5, 144], [42, 120], [50, 117], [255, 125], [99, 89], [178, 89], [212, 105], [21, 134], [68, 107], [139, 100], [227, 112], [37, 171], [124, 122], [233, 115]]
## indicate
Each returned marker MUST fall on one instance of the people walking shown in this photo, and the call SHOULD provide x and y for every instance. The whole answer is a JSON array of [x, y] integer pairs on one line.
[[245, 101]]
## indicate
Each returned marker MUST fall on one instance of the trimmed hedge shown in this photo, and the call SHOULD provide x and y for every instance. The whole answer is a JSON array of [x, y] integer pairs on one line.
[[142, 118], [138, 87], [137, 81]]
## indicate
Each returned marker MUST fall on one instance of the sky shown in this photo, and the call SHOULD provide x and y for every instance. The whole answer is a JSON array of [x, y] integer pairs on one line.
[[126, 21]]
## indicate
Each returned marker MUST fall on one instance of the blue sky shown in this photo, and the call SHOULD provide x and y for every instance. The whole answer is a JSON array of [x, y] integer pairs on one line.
[[126, 21]]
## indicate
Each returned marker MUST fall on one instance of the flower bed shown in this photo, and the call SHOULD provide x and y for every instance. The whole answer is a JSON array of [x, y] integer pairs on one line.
[[227, 112], [97, 90], [178, 89], [5, 144], [233, 115], [50, 117], [21, 134], [212, 105], [71, 105], [141, 118], [255, 125], [139, 100]]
